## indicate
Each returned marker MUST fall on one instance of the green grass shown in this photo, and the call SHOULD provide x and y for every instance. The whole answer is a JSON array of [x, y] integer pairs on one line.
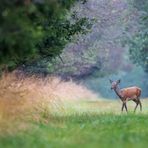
[[89, 130]]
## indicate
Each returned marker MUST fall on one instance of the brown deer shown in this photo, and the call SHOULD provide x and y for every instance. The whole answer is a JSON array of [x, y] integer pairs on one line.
[[127, 94]]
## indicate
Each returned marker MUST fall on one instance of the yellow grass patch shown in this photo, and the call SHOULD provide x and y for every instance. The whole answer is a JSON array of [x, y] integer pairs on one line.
[[33, 98]]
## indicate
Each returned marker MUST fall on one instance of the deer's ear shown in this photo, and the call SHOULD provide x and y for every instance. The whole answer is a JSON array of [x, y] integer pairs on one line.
[[119, 81], [110, 81]]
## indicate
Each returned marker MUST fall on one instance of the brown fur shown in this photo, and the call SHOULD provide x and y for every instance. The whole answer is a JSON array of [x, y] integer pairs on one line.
[[131, 93], [127, 94]]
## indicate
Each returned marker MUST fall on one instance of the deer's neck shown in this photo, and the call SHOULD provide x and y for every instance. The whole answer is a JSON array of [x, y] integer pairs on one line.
[[118, 92]]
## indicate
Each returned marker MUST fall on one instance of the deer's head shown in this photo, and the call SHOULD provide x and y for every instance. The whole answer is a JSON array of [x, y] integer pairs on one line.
[[114, 84]]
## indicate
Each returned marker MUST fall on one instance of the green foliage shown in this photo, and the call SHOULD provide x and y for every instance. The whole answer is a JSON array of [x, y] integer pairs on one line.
[[30, 30], [139, 51], [139, 43]]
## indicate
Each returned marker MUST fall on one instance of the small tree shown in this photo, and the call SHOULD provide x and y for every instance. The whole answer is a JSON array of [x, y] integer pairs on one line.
[[139, 43]]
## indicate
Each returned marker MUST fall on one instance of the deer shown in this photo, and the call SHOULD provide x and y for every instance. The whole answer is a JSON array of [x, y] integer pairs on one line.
[[127, 94]]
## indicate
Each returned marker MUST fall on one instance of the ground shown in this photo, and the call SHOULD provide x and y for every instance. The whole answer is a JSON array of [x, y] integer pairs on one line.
[[88, 124]]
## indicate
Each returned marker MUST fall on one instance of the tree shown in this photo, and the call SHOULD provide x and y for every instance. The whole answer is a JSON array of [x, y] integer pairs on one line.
[[139, 43], [31, 30]]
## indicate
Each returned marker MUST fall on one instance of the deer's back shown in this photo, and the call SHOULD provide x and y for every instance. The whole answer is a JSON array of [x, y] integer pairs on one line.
[[131, 92]]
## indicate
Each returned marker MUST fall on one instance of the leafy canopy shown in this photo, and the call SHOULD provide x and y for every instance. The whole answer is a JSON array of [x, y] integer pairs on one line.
[[30, 30]]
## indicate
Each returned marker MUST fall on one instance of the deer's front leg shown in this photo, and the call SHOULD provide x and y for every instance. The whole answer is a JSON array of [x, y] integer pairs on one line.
[[137, 103], [140, 105], [123, 104]]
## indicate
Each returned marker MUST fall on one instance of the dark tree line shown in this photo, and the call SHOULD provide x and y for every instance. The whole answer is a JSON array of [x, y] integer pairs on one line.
[[34, 29]]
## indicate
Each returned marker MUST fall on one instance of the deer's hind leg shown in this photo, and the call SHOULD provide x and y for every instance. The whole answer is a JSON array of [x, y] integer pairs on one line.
[[140, 104], [137, 103]]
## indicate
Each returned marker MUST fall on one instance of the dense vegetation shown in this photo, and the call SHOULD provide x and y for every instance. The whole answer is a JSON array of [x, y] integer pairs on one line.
[[47, 38], [139, 43], [33, 30]]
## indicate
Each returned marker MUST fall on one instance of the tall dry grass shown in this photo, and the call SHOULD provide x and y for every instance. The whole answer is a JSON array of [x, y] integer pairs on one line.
[[33, 98]]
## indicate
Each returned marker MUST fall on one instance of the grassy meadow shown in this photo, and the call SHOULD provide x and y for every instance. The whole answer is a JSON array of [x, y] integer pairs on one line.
[[58, 59], [33, 115]]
